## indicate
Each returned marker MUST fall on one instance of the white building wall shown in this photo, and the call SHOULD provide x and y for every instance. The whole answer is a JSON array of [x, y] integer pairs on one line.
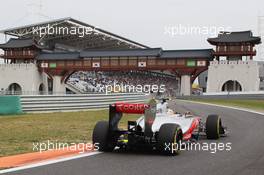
[[260, 47], [261, 75], [58, 87], [26, 75], [245, 72], [185, 85]]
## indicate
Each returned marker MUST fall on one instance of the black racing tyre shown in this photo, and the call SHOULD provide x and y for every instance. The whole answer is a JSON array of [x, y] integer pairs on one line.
[[168, 139], [102, 137], [213, 126]]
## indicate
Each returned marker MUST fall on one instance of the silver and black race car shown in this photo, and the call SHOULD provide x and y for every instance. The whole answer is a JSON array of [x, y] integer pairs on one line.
[[156, 129]]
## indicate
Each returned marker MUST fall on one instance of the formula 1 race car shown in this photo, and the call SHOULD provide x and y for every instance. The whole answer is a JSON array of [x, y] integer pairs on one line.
[[155, 130]]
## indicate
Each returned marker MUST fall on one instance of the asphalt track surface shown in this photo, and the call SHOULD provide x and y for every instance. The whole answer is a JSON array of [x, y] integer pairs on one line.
[[246, 156]]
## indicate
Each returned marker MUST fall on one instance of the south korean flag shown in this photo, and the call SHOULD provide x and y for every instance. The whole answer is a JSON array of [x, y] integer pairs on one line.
[[44, 65], [142, 64], [201, 63], [96, 64]]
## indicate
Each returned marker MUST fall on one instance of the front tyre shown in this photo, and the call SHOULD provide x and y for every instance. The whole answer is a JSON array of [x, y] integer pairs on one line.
[[213, 127], [101, 136], [168, 139]]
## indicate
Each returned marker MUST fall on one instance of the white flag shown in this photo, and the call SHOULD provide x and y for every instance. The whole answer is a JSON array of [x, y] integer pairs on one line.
[[44, 65], [201, 63], [96, 64], [142, 64]]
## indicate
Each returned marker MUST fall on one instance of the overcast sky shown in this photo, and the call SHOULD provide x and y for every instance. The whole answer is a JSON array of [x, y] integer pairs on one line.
[[145, 21]]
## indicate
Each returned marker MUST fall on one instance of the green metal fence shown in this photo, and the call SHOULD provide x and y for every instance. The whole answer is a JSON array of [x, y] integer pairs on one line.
[[10, 105]]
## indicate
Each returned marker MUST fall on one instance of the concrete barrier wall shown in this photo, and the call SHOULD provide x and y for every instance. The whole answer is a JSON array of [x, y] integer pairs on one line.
[[50, 103]]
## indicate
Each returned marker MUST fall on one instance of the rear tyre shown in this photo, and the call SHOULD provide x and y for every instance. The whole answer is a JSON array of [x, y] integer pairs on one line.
[[103, 138], [213, 127], [168, 139]]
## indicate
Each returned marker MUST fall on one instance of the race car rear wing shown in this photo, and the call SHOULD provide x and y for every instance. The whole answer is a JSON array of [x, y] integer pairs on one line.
[[116, 111]]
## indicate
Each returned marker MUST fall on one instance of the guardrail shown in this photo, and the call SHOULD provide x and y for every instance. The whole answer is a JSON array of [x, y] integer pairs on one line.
[[53, 103], [259, 96]]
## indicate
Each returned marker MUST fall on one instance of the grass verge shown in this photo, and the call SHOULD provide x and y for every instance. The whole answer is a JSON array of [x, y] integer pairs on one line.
[[257, 105], [19, 132]]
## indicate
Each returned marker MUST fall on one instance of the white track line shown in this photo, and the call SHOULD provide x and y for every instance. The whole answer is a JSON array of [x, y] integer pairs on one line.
[[48, 162], [223, 106]]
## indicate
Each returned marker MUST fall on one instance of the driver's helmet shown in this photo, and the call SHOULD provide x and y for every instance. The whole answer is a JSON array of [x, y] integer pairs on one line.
[[162, 107]]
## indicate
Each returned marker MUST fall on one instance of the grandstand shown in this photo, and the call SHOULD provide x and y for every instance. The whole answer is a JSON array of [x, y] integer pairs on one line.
[[96, 81]]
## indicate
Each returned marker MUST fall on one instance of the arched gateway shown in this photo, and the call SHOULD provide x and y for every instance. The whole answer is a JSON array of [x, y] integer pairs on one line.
[[234, 68], [14, 89], [231, 86]]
